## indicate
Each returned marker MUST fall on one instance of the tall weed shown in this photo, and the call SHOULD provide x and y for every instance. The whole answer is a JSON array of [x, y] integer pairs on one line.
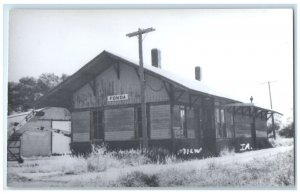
[[281, 141]]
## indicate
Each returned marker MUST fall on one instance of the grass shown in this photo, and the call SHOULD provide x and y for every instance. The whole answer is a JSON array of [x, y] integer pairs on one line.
[[98, 161], [264, 168], [256, 173], [281, 141]]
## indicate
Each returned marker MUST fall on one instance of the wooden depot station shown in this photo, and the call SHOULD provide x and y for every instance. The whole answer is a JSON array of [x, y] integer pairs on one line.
[[183, 116]]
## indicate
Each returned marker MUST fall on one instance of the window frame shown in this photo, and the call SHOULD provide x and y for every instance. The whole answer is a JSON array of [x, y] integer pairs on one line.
[[220, 122], [97, 128], [182, 108]]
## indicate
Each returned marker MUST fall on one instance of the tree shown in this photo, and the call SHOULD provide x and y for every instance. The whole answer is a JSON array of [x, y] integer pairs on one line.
[[288, 131], [47, 81], [23, 94], [14, 100], [63, 77]]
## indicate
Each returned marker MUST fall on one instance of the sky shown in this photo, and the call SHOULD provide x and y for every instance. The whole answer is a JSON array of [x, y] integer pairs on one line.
[[237, 49]]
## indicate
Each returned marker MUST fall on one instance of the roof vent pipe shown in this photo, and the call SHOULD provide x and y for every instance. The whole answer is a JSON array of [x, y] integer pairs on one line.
[[198, 73], [155, 57]]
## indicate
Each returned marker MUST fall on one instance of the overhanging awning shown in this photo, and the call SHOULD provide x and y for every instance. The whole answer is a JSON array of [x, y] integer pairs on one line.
[[250, 109]]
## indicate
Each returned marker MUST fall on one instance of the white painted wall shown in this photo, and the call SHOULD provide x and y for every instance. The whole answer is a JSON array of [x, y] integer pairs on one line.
[[62, 125], [60, 143]]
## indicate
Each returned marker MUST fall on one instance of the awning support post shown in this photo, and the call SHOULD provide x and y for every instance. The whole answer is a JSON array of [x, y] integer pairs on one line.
[[273, 126], [253, 128]]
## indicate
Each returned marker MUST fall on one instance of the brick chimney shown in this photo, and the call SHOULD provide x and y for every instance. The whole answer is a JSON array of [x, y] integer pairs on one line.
[[198, 73], [155, 57]]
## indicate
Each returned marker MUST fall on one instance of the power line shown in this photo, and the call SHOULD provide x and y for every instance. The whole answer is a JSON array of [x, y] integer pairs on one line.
[[270, 95], [140, 33]]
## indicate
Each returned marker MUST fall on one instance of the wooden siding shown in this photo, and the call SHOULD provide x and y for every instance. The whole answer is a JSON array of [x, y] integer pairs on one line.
[[81, 126], [119, 124], [94, 94], [184, 98], [119, 135], [81, 137], [160, 119], [191, 133], [155, 90]]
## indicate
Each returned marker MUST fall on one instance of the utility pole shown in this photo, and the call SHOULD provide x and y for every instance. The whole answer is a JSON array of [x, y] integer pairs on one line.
[[270, 95], [140, 33]]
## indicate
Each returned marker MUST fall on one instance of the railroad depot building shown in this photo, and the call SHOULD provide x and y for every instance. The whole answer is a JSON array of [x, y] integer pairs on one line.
[[183, 116]]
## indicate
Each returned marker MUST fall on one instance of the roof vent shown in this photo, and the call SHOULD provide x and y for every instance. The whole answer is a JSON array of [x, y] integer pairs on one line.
[[155, 56], [198, 73]]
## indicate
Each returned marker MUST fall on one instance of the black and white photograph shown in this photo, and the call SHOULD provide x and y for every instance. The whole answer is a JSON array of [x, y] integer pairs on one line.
[[139, 97]]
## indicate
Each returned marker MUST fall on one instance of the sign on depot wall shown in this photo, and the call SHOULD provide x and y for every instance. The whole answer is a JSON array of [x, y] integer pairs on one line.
[[115, 98]]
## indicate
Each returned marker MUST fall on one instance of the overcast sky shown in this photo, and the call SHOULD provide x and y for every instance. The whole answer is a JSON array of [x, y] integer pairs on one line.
[[236, 49]]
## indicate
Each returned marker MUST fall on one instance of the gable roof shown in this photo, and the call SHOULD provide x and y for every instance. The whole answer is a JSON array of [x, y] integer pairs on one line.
[[103, 61]]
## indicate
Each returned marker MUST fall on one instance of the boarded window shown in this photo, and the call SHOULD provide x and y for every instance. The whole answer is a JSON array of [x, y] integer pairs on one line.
[[261, 127], [81, 126], [242, 126], [119, 124], [160, 120]]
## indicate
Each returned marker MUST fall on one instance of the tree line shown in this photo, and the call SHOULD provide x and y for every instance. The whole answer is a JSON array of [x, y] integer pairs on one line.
[[23, 94]]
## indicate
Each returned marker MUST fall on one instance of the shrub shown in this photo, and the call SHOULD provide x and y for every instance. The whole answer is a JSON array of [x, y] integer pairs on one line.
[[139, 179], [65, 164], [157, 155], [288, 131], [227, 152], [99, 159], [131, 157], [263, 143]]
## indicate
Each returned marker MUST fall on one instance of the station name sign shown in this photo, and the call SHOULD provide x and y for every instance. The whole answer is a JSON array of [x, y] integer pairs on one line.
[[119, 97]]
